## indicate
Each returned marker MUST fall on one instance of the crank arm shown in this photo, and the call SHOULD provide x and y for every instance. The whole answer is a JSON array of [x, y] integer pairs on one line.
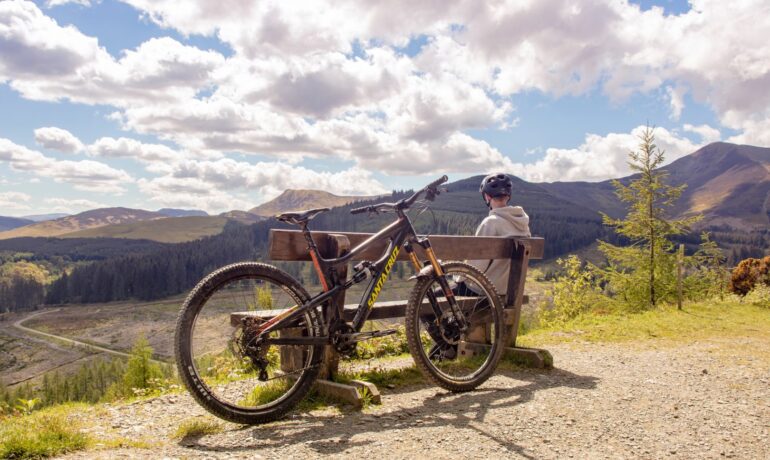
[[296, 340], [361, 336]]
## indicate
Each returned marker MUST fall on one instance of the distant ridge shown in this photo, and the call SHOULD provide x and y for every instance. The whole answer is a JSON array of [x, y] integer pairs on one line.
[[9, 223], [295, 200], [170, 212], [243, 216], [82, 221], [42, 217]]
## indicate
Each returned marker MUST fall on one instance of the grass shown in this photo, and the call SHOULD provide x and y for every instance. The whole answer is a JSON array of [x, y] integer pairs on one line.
[[367, 398], [198, 427], [383, 377], [702, 320], [265, 393], [45, 433]]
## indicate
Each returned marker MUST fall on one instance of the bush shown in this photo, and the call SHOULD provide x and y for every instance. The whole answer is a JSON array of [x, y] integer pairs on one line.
[[574, 293], [748, 273], [759, 296]]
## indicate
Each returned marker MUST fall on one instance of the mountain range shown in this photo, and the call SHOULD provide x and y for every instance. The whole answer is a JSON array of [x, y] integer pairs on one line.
[[728, 184]]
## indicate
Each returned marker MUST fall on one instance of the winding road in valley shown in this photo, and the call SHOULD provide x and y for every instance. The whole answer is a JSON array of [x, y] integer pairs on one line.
[[52, 338]]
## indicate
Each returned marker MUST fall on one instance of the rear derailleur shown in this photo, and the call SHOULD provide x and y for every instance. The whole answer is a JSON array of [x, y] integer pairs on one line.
[[252, 347]]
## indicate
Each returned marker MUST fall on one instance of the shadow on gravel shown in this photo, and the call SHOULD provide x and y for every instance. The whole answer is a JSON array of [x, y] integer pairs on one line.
[[332, 434]]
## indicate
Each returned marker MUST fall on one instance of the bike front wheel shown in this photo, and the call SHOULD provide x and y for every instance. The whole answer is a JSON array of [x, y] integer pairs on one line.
[[223, 360], [455, 357]]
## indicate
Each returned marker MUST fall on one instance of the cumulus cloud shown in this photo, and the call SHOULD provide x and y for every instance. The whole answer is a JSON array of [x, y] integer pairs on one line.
[[330, 80], [753, 132], [157, 158], [45, 61], [600, 157], [58, 139], [32, 45], [54, 3], [214, 185], [84, 175], [553, 46], [15, 201], [707, 133], [676, 100], [72, 205]]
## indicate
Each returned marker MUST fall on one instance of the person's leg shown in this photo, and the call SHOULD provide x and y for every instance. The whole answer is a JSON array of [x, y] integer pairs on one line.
[[462, 290]]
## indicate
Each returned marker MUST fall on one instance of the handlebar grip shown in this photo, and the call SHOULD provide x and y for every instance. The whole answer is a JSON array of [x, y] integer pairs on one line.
[[437, 182], [360, 210]]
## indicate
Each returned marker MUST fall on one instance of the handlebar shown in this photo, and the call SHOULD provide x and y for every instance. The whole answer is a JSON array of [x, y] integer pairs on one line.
[[437, 182], [361, 209], [431, 190]]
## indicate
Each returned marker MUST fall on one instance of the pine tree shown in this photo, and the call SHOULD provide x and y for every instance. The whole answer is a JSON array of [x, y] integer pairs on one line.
[[710, 260], [648, 227], [141, 369]]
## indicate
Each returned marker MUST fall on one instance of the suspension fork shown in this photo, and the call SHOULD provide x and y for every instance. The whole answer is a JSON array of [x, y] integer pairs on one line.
[[443, 283]]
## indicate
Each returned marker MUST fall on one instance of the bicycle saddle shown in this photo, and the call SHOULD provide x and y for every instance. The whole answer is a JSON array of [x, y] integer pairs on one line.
[[300, 217]]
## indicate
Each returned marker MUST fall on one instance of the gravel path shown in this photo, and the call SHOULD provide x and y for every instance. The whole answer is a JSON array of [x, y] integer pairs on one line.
[[644, 400]]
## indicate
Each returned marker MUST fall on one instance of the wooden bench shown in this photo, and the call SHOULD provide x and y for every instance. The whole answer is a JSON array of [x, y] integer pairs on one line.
[[290, 245]]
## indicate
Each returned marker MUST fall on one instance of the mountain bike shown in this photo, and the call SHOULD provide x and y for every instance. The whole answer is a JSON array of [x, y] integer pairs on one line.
[[245, 324]]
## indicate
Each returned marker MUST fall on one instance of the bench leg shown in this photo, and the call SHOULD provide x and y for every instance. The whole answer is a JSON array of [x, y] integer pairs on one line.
[[330, 364], [478, 335], [293, 358]]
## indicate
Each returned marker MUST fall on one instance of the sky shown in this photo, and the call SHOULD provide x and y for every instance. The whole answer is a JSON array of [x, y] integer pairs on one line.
[[221, 105]]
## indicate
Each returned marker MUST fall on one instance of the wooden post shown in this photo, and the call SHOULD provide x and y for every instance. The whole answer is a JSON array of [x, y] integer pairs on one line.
[[679, 269], [338, 246], [517, 276]]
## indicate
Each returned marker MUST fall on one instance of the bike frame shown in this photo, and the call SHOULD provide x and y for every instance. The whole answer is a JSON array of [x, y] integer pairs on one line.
[[399, 233]]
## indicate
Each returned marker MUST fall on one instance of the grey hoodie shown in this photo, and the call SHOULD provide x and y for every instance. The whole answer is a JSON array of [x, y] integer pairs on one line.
[[506, 221]]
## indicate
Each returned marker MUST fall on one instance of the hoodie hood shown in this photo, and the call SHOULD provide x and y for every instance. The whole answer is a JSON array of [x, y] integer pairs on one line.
[[515, 215]]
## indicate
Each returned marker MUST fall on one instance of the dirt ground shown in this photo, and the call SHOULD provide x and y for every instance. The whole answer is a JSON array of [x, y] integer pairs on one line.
[[651, 399]]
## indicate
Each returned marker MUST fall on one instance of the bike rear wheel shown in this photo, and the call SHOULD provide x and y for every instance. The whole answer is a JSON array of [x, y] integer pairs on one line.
[[454, 359], [220, 357]]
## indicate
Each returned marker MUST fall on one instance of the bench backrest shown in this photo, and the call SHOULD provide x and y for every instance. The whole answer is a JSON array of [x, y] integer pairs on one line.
[[291, 245]]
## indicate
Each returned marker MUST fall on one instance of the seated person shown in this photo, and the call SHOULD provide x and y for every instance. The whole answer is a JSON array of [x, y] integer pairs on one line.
[[503, 220]]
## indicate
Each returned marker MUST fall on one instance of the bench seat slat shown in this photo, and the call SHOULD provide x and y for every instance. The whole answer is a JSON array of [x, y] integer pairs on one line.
[[382, 310]]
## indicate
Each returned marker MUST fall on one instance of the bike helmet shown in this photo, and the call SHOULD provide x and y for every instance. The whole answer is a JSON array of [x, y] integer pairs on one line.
[[495, 185]]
